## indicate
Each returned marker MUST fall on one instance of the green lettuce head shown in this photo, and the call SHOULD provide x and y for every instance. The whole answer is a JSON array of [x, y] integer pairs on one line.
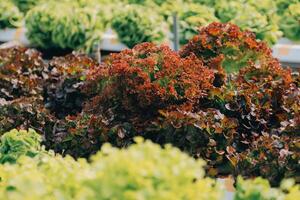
[[10, 15], [290, 22], [16, 143], [192, 17], [136, 24]]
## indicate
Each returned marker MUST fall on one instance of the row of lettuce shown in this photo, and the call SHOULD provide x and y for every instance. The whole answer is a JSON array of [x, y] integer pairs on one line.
[[80, 23], [223, 98], [142, 171]]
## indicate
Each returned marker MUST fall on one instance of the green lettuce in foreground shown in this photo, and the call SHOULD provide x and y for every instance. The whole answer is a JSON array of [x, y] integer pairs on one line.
[[143, 171], [16, 143], [260, 189]]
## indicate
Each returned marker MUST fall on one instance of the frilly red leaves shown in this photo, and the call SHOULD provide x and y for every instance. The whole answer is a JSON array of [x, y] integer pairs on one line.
[[151, 77], [245, 123], [225, 45]]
